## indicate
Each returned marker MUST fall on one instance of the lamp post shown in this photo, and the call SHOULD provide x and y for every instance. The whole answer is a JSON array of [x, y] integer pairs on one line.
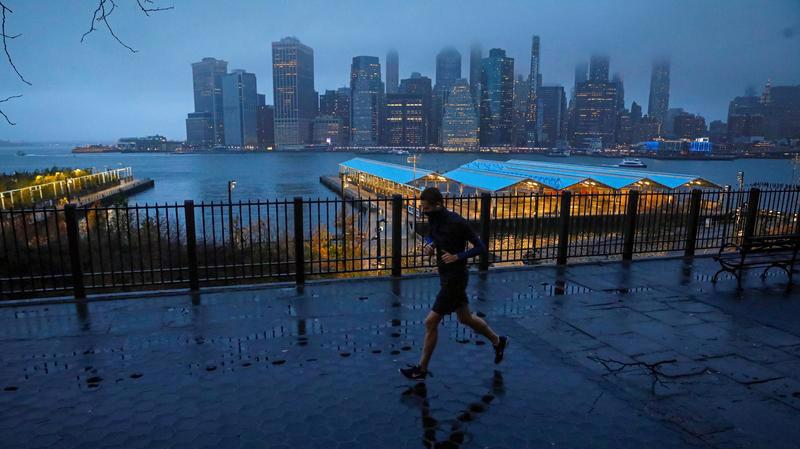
[[380, 228], [231, 186]]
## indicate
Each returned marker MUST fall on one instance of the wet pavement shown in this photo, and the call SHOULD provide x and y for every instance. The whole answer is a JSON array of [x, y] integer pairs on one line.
[[603, 355]]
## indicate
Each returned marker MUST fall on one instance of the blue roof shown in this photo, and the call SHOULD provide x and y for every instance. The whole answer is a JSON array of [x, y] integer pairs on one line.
[[556, 181], [401, 174], [482, 180], [669, 180]]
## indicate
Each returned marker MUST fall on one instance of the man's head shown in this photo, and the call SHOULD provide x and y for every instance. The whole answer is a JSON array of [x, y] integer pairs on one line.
[[431, 200]]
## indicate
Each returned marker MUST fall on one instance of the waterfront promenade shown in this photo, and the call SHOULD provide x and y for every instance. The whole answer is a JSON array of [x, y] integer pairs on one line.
[[648, 354]]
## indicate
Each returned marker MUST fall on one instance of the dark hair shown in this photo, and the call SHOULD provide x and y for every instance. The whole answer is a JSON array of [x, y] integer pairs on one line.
[[432, 195]]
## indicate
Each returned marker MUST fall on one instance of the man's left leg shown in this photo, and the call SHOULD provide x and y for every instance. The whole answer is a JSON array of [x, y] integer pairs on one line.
[[478, 324]]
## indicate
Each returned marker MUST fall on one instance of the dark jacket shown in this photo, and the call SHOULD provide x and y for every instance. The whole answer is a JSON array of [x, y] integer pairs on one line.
[[450, 232]]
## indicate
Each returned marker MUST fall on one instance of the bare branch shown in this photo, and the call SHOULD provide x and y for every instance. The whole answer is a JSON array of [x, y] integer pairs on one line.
[[104, 11], [3, 113], [6, 37]]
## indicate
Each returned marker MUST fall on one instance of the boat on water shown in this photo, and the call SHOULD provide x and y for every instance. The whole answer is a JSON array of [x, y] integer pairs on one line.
[[20, 153], [632, 163]]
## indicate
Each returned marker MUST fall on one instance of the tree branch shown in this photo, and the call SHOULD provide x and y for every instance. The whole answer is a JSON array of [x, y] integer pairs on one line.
[[3, 113], [104, 11], [6, 37]]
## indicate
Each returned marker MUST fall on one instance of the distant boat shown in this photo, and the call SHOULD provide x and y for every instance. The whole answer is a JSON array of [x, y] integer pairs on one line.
[[20, 153], [400, 152], [632, 163], [558, 153]]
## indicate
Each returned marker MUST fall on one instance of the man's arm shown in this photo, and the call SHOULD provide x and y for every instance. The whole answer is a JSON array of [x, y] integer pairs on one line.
[[478, 247]]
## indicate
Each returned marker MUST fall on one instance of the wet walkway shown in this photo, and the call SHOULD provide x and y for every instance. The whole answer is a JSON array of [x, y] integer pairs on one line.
[[652, 355]]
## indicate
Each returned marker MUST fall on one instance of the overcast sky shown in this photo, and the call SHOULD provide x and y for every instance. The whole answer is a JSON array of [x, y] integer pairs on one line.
[[99, 91]]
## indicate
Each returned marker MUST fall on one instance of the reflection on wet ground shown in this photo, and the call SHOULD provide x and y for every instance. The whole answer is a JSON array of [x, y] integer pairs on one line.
[[649, 354]]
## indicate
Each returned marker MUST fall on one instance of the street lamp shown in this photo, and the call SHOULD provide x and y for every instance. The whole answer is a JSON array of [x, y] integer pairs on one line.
[[231, 186], [380, 228]]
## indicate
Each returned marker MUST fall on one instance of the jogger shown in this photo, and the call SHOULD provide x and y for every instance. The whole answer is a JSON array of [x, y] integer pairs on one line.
[[448, 234]]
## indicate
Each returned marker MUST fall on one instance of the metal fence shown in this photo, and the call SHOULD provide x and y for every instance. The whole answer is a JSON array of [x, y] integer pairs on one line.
[[75, 250]]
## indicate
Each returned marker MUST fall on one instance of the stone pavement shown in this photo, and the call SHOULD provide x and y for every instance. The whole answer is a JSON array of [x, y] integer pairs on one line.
[[602, 355]]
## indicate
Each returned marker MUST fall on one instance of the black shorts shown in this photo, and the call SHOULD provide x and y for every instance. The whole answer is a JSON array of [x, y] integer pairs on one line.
[[452, 293]]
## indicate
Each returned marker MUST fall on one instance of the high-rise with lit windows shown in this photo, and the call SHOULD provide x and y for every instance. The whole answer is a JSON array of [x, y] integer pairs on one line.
[[366, 93], [460, 122], [293, 92], [497, 99]]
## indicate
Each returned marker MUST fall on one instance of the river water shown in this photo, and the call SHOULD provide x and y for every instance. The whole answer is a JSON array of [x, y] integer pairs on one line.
[[203, 177]]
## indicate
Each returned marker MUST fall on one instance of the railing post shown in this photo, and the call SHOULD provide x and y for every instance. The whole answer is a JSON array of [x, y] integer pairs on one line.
[[694, 222], [751, 217], [563, 230], [397, 229], [486, 209], [299, 250], [191, 245], [629, 231], [73, 244]]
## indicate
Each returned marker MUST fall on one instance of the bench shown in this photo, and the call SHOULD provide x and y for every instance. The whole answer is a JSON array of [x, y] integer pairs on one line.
[[766, 252]]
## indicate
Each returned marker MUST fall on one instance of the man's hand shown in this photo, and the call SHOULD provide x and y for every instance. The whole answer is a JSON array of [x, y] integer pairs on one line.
[[449, 258], [429, 250]]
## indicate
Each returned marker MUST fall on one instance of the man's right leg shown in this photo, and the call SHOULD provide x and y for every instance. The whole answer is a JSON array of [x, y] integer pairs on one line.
[[431, 336]]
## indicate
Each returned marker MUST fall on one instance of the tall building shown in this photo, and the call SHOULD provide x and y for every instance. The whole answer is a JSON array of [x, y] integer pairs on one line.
[[240, 100], [619, 85], [448, 71], [327, 130], [689, 126], [533, 91], [405, 121], [200, 130], [553, 110], [207, 82], [392, 72], [598, 69], [266, 124], [668, 123], [497, 99], [460, 122], [521, 111], [341, 110], [327, 102], [366, 98], [595, 114], [421, 85], [475, 58], [658, 104], [782, 111], [718, 132], [293, 92]]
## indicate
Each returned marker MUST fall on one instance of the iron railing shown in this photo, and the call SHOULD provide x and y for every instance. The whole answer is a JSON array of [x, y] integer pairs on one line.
[[75, 250]]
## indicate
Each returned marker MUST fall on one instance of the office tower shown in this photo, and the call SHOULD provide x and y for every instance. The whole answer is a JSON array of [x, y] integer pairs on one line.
[[521, 111], [475, 58], [648, 128], [327, 130], [598, 69], [240, 100], [497, 99], [782, 111], [448, 70], [689, 126], [293, 92], [200, 130], [266, 124], [327, 103], [366, 97], [624, 132], [595, 115], [460, 121], [618, 84], [636, 113], [533, 90], [405, 121], [553, 110], [668, 123], [392, 72], [207, 82], [341, 111], [581, 74], [658, 104], [718, 132], [421, 85]]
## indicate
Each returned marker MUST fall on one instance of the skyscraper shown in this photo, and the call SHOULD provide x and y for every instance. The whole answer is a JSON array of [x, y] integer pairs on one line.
[[421, 85], [658, 103], [553, 109], [392, 72], [533, 90], [475, 58], [207, 81], [521, 111], [619, 85], [266, 124], [366, 97], [497, 99], [448, 71], [200, 130], [240, 100], [404, 121], [293, 92], [598, 69], [341, 110], [460, 122], [327, 103]]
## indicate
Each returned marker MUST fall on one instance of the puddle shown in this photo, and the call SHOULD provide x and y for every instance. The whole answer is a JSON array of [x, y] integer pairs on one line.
[[561, 288], [625, 291]]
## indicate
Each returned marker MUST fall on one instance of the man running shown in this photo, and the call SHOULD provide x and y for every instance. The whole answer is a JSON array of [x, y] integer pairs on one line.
[[448, 234]]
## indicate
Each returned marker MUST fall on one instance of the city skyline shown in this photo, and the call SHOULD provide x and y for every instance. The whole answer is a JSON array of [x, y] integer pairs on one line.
[[122, 101]]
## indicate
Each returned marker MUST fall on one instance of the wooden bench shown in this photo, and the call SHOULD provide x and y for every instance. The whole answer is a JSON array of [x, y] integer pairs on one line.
[[766, 252]]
